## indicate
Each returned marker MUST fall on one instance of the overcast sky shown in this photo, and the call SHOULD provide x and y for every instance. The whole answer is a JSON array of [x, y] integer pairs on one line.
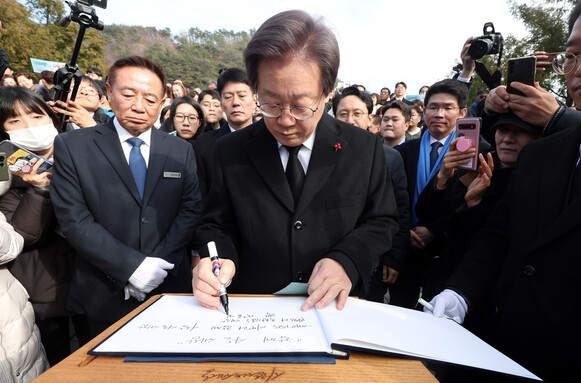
[[382, 42]]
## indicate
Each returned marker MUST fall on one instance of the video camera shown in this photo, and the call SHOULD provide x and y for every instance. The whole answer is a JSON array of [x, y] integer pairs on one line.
[[83, 13], [488, 44]]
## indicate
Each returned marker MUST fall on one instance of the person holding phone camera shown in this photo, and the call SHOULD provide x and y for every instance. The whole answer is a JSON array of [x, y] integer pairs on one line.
[[521, 271], [45, 267], [468, 197]]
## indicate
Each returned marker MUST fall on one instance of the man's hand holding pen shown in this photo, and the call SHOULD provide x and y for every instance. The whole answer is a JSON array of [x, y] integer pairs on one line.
[[205, 284]]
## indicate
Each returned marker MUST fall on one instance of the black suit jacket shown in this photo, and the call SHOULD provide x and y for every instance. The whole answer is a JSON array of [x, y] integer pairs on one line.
[[396, 256], [102, 215], [522, 268], [346, 210], [204, 149]]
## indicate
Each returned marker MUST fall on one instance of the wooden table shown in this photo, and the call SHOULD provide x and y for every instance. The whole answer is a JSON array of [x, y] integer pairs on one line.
[[80, 367]]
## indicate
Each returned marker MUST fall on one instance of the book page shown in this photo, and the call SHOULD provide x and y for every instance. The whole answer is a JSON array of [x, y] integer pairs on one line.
[[180, 325], [393, 329]]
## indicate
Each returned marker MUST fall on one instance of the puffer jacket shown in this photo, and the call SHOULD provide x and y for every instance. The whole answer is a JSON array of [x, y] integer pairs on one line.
[[22, 357]]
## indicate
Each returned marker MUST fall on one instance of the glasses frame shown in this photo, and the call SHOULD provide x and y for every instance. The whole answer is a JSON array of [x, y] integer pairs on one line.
[[266, 114], [555, 65], [444, 109], [182, 119], [352, 114]]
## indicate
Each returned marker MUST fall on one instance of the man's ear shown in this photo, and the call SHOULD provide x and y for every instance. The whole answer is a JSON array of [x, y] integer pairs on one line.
[[463, 112]]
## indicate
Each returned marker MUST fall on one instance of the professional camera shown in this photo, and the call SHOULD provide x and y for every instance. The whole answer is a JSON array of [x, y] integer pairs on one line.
[[488, 44]]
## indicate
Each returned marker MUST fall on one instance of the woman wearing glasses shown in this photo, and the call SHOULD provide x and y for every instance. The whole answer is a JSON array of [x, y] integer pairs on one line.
[[185, 119]]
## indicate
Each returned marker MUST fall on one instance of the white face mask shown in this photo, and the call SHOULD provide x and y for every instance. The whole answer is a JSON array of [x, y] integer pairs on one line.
[[421, 97], [34, 139]]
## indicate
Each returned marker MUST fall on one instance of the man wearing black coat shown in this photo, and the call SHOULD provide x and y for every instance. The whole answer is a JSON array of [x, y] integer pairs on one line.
[[297, 196]]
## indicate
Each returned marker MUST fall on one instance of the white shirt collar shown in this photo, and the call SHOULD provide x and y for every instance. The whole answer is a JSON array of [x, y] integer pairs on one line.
[[309, 143], [124, 135]]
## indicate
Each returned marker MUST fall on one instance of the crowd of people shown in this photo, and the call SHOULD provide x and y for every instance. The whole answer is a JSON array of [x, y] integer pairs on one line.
[[354, 193]]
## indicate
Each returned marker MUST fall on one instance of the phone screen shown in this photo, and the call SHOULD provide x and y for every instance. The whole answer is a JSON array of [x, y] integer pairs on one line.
[[523, 70]]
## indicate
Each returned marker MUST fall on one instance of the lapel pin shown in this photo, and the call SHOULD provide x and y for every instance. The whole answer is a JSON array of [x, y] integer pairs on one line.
[[337, 146]]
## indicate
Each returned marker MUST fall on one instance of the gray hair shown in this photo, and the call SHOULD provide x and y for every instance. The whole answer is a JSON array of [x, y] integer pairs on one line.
[[294, 33]]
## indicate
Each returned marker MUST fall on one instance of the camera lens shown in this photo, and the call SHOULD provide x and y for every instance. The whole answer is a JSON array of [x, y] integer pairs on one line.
[[479, 48]]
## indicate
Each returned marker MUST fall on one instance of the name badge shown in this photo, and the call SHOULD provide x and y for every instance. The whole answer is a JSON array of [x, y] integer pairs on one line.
[[172, 175]]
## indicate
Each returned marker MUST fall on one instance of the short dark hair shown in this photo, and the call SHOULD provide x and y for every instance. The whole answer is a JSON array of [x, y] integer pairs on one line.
[[482, 91], [575, 13], [137, 62], [48, 76], [102, 87], [396, 104], [231, 75], [212, 92], [95, 70], [12, 97], [449, 86], [185, 100], [22, 73], [294, 33], [353, 91], [402, 83], [416, 108]]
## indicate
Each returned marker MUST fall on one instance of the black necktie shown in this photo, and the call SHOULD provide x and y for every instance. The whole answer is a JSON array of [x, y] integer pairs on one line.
[[434, 154], [295, 173]]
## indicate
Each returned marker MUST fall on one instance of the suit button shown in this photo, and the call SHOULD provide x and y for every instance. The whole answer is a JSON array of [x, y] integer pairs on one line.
[[529, 271], [300, 276], [144, 220], [298, 225]]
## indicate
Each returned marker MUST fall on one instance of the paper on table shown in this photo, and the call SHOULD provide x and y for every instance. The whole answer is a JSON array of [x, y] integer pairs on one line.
[[413, 333], [180, 325]]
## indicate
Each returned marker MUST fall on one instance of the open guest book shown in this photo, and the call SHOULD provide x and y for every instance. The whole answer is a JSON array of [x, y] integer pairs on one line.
[[276, 326]]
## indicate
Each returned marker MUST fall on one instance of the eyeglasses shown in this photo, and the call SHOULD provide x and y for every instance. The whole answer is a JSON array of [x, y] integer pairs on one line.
[[88, 90], [207, 104], [565, 63], [435, 108], [192, 118], [344, 115], [298, 112]]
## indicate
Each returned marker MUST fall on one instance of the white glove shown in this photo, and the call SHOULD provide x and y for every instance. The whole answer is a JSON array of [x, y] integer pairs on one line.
[[131, 291], [449, 303], [150, 274]]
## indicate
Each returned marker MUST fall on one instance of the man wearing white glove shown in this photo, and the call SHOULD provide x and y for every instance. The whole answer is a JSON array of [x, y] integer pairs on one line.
[[126, 197], [449, 304]]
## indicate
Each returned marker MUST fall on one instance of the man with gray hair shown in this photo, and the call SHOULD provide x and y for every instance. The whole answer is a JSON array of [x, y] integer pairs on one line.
[[297, 196]]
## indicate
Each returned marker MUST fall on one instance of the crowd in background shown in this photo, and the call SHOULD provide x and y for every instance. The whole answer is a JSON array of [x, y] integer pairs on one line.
[[441, 206]]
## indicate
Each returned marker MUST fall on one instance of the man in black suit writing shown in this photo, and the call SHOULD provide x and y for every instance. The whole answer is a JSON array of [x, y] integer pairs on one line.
[[126, 197], [298, 196]]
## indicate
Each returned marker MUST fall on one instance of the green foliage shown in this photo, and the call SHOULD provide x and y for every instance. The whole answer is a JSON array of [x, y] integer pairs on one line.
[[33, 31], [547, 24]]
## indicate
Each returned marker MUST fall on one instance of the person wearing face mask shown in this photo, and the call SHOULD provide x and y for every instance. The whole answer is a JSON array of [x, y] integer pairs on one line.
[[45, 267]]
